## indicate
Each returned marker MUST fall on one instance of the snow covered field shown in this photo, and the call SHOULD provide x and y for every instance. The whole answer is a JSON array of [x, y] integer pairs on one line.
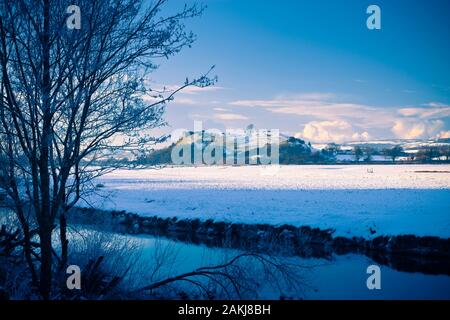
[[354, 200]]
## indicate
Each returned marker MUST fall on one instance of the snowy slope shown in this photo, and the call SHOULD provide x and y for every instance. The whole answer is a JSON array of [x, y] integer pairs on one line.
[[407, 145], [401, 199]]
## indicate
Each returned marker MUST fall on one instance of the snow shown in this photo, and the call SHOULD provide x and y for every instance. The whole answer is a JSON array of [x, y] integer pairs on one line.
[[353, 199], [374, 158], [345, 158]]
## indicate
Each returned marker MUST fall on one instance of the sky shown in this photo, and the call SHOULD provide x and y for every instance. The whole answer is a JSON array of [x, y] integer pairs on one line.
[[312, 68]]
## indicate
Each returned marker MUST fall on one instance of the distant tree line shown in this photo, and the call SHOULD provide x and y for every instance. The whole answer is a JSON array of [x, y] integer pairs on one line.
[[297, 151]]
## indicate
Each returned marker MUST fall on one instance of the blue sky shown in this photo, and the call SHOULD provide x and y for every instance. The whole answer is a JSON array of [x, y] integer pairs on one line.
[[313, 69]]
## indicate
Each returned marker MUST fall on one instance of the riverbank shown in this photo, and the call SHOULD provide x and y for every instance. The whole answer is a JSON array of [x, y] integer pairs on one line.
[[409, 253]]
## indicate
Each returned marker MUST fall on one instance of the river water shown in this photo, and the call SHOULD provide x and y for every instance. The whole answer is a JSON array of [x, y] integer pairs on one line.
[[341, 277]]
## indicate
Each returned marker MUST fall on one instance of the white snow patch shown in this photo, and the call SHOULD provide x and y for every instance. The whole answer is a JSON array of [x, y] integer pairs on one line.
[[353, 199]]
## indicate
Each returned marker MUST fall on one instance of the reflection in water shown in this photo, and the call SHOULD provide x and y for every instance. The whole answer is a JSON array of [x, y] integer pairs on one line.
[[338, 277], [428, 255]]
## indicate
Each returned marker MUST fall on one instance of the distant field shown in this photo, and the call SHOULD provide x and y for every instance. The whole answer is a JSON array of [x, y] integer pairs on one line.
[[355, 200]]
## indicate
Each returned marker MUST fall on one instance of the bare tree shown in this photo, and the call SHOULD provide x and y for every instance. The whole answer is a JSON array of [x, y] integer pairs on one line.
[[69, 97], [234, 280]]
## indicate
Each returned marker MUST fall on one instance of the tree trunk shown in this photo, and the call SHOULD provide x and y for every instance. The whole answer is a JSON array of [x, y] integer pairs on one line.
[[45, 284], [27, 252], [64, 241], [46, 221]]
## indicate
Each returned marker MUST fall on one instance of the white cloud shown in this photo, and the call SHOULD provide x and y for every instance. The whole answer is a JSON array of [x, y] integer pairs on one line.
[[432, 112], [414, 129], [327, 120], [331, 131], [421, 122], [196, 90], [221, 109], [435, 104], [365, 136], [179, 100], [229, 116], [315, 96], [443, 135], [363, 115]]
